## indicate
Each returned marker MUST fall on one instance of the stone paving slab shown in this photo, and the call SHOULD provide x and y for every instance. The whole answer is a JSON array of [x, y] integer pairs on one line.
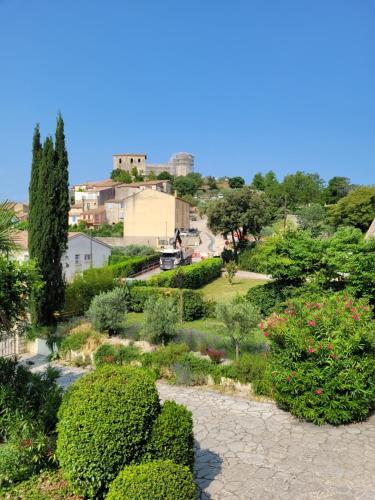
[[252, 450]]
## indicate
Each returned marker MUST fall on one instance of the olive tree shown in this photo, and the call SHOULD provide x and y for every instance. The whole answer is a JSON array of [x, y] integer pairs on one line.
[[240, 318]]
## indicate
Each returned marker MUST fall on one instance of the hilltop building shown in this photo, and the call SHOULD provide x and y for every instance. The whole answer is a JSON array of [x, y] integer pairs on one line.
[[178, 164]]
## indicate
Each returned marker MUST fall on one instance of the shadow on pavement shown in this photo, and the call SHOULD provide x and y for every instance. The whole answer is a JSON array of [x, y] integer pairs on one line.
[[207, 467]]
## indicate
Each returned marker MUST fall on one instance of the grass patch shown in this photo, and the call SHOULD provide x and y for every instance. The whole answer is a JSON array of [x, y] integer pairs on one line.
[[221, 291]]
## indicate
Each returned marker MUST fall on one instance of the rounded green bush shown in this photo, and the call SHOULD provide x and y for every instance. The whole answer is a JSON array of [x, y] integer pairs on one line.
[[104, 422], [160, 480], [323, 359], [172, 436]]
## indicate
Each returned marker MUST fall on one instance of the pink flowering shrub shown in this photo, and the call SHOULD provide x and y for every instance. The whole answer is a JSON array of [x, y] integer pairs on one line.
[[323, 359]]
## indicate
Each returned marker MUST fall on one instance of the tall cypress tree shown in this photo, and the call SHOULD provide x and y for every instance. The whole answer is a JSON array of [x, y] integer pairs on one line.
[[49, 207], [33, 191]]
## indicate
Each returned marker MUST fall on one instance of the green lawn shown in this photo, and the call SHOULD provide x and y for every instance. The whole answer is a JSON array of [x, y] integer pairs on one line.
[[221, 290]]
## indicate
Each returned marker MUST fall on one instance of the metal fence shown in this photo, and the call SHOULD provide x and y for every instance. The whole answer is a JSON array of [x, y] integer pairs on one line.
[[11, 344]]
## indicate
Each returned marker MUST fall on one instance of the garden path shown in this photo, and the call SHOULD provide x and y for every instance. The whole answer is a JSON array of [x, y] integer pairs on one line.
[[252, 450]]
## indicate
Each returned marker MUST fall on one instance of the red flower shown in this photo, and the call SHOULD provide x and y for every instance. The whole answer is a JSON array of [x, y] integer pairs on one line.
[[318, 306], [356, 317], [348, 304], [366, 309], [318, 392], [330, 346], [311, 322], [311, 349], [261, 325], [333, 356], [266, 334], [289, 378], [353, 310]]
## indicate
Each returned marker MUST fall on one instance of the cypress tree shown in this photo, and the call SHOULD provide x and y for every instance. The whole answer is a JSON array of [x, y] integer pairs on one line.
[[33, 191], [49, 207]]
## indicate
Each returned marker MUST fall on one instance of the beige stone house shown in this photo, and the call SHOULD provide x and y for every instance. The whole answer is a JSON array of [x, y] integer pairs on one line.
[[151, 217]]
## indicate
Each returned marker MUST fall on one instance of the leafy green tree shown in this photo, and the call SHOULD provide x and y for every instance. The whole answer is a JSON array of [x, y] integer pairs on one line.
[[240, 212], [301, 188], [356, 209], [337, 188], [120, 175], [151, 176], [313, 217], [236, 182], [211, 182], [240, 319], [161, 318], [7, 227], [165, 176], [137, 176], [258, 181], [17, 282], [188, 184]]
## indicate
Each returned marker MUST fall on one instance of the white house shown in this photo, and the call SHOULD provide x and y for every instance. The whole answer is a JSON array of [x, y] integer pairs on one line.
[[82, 253]]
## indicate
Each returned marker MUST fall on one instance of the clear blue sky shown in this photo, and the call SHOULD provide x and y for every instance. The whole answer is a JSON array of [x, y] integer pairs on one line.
[[244, 85]]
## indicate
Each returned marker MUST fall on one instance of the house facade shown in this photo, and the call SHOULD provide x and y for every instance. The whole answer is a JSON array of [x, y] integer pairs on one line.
[[151, 217], [83, 252]]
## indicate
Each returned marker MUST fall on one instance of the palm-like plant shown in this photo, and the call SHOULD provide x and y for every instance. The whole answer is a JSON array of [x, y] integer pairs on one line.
[[7, 227]]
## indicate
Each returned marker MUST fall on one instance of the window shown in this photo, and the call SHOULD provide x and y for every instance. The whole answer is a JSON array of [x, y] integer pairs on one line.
[[139, 160], [88, 206], [77, 259], [87, 257], [120, 160], [131, 160]]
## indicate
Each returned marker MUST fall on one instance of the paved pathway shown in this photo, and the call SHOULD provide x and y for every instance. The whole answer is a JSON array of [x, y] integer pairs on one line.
[[252, 450]]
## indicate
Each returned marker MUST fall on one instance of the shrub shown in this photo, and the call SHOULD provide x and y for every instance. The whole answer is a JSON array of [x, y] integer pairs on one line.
[[122, 253], [192, 276], [132, 265], [215, 355], [193, 304], [271, 296], [104, 422], [161, 316], [80, 292], [165, 356], [31, 396], [115, 354], [160, 480], [323, 359], [172, 436], [107, 310], [231, 271], [76, 340], [254, 369], [25, 453]]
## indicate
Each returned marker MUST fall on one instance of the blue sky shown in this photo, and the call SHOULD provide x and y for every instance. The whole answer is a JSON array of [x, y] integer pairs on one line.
[[245, 85]]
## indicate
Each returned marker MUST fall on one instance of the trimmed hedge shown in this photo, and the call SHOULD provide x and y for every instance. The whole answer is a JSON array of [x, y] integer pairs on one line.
[[193, 302], [271, 297], [104, 422], [160, 480], [192, 276], [80, 292], [172, 436]]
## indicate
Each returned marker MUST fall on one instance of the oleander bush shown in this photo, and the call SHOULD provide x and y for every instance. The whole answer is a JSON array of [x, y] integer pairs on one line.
[[172, 436], [159, 480], [107, 310], [192, 276], [28, 396], [105, 420], [323, 359], [27, 450]]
